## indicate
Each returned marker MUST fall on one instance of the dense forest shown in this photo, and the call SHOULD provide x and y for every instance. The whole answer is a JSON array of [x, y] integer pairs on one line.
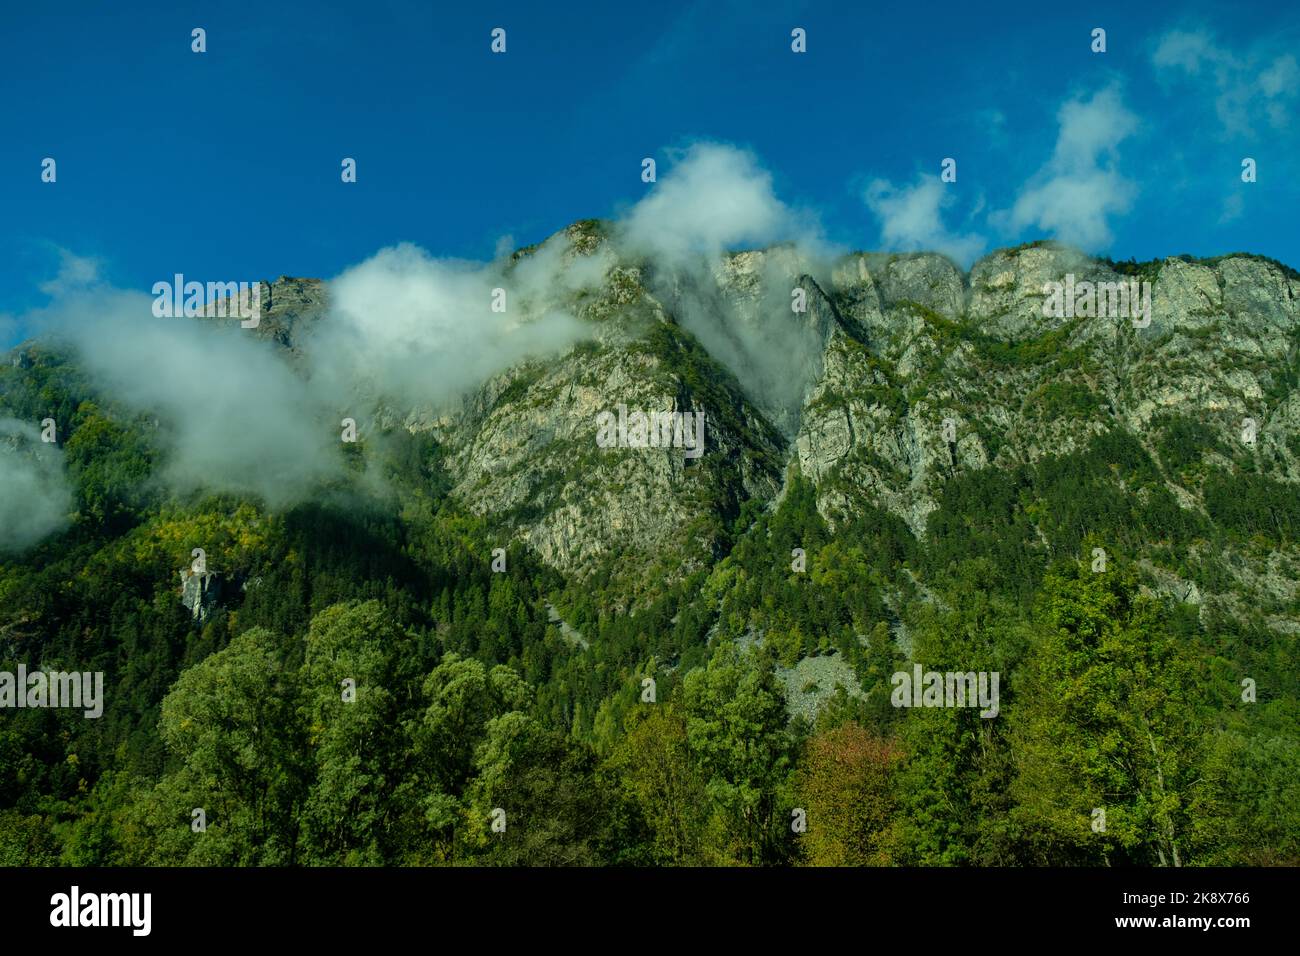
[[378, 685]]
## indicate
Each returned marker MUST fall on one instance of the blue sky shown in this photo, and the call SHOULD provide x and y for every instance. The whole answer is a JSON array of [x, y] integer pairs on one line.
[[226, 164]]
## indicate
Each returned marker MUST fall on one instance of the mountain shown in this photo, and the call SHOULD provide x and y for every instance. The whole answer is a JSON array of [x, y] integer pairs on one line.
[[903, 463], [897, 346]]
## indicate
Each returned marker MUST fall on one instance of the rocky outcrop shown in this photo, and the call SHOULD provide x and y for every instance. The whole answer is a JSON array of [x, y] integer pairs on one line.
[[290, 308], [200, 593], [1006, 287]]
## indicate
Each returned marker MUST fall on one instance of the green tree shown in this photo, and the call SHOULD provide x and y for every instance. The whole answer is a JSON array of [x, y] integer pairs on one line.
[[361, 806], [231, 723], [736, 727], [464, 697], [542, 787], [1106, 720], [655, 767]]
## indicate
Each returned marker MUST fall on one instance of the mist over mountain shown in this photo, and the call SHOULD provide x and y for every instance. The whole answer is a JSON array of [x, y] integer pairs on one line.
[[466, 487], [33, 489]]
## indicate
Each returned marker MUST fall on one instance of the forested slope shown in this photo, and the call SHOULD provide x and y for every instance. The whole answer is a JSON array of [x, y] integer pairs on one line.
[[625, 656]]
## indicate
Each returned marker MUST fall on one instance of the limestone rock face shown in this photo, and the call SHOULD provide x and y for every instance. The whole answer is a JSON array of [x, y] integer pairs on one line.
[[1222, 340], [881, 377], [524, 449], [1015, 385], [1007, 287], [290, 308], [931, 280], [200, 593], [768, 298]]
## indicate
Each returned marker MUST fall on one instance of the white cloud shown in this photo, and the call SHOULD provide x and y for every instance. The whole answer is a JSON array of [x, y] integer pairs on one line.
[[236, 414], [715, 197], [34, 495], [1073, 196], [1233, 206], [1184, 50], [1248, 88], [422, 330], [75, 273], [911, 219], [233, 414], [405, 329]]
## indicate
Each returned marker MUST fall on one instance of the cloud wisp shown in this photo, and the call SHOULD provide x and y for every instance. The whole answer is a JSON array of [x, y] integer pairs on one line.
[[34, 494], [1076, 192], [1249, 89], [911, 219], [419, 330], [716, 200]]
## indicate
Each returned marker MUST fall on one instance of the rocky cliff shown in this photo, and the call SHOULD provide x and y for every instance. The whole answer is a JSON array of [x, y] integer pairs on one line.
[[890, 376]]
